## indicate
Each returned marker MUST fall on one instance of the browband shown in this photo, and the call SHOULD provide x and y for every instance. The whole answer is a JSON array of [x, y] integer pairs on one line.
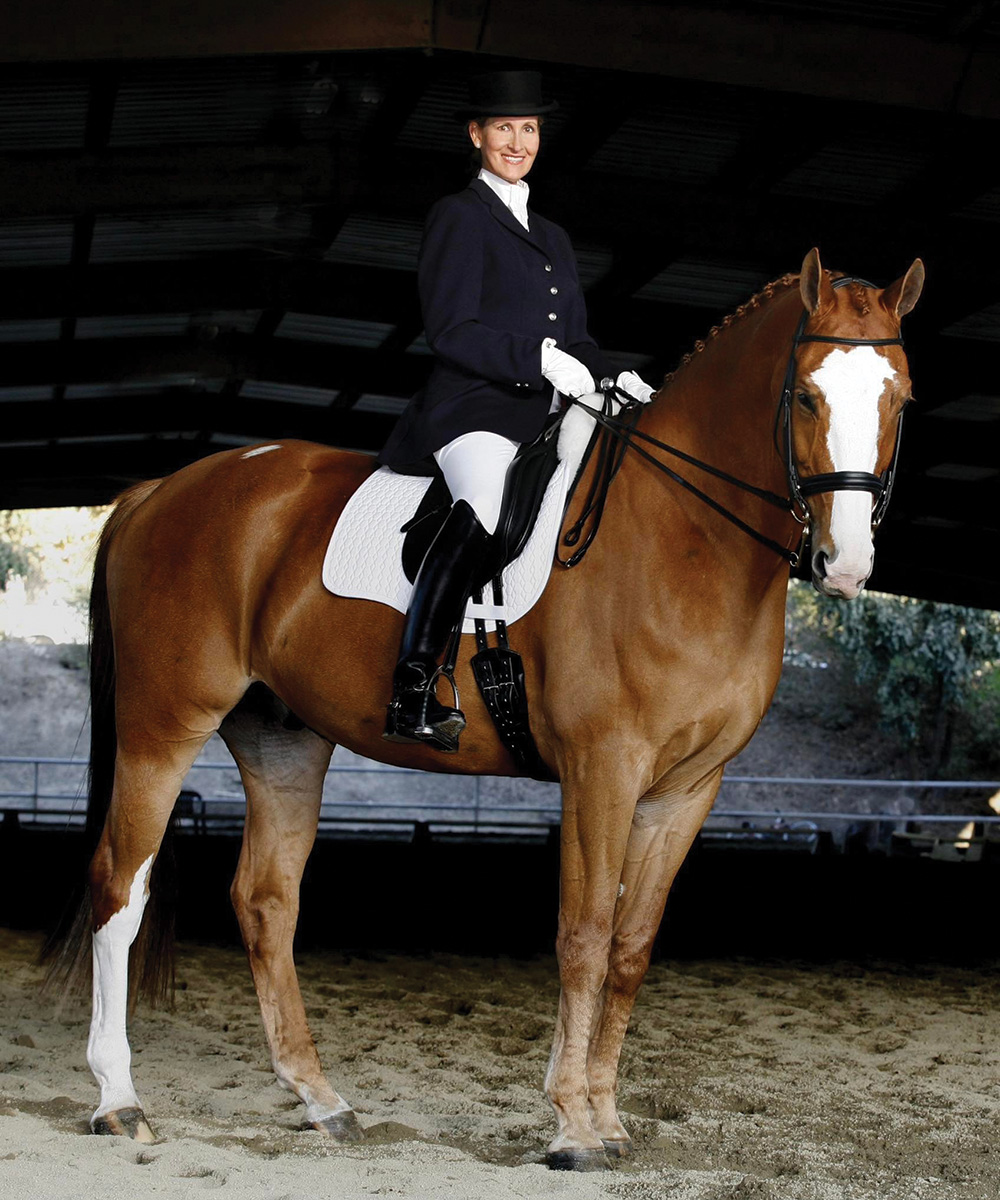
[[839, 341]]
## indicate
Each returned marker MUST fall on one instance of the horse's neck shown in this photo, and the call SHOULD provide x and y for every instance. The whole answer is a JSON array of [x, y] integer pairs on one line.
[[721, 405]]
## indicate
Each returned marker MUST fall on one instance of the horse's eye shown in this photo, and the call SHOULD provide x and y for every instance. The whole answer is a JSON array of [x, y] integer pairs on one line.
[[806, 401]]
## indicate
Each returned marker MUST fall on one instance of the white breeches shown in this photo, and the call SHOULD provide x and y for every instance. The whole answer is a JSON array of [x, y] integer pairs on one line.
[[475, 467]]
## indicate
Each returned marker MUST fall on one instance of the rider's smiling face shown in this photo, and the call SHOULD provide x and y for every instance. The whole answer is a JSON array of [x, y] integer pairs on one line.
[[508, 145]]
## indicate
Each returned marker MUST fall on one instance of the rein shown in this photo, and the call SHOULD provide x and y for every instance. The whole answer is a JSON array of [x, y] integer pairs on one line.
[[623, 432], [616, 435]]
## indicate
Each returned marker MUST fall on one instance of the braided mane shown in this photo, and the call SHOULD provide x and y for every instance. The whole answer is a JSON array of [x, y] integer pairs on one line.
[[766, 293]]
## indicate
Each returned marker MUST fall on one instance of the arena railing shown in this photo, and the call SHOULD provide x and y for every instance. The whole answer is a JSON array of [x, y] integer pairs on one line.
[[49, 792]]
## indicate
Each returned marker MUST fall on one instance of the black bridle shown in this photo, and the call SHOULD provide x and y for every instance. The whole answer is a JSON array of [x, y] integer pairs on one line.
[[801, 489], [618, 435]]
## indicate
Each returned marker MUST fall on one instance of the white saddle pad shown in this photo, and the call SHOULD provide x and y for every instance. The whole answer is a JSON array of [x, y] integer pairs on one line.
[[364, 557]]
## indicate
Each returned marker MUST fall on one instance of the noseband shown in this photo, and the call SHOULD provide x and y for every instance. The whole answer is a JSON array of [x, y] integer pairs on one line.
[[832, 481], [622, 430]]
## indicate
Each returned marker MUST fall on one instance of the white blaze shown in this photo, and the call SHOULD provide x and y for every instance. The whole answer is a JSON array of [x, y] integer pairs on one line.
[[853, 380]]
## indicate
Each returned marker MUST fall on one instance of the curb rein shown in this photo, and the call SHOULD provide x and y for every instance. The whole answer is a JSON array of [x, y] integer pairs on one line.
[[614, 437]]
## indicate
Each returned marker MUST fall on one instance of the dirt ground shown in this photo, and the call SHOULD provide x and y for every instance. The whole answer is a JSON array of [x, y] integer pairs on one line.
[[739, 1081]]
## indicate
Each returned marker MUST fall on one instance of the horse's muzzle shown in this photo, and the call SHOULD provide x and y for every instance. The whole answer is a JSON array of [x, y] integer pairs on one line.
[[831, 579]]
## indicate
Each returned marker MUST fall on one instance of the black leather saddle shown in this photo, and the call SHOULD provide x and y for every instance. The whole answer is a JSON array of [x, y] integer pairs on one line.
[[524, 489]]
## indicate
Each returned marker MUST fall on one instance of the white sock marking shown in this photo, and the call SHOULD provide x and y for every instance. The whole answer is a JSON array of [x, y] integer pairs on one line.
[[108, 1050], [853, 380]]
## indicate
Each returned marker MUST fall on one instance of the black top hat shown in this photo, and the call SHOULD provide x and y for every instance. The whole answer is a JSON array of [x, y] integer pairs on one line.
[[505, 94]]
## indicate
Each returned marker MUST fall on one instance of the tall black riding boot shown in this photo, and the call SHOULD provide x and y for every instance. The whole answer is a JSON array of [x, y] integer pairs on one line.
[[443, 585]]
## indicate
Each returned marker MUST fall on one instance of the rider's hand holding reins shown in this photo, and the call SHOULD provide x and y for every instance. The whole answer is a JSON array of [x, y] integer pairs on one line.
[[637, 388], [566, 374]]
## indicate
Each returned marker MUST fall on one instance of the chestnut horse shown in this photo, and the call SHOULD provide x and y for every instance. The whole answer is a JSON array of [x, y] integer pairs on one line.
[[648, 667]]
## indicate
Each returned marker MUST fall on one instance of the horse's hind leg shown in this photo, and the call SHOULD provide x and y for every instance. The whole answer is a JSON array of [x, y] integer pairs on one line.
[[661, 835], [283, 772], [148, 777]]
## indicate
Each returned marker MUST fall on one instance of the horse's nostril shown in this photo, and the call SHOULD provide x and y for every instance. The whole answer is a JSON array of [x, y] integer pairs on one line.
[[819, 564]]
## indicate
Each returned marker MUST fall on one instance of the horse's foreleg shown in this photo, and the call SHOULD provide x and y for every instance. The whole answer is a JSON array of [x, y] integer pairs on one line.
[[661, 835], [145, 788], [598, 803], [283, 774]]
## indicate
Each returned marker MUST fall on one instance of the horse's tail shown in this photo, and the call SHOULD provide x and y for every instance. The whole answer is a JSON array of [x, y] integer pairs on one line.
[[67, 949]]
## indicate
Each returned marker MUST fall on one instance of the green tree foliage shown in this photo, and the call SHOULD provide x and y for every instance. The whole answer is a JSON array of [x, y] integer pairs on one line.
[[15, 558], [925, 665]]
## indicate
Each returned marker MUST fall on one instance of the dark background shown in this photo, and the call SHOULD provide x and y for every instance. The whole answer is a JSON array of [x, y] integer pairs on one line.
[[211, 216], [473, 897]]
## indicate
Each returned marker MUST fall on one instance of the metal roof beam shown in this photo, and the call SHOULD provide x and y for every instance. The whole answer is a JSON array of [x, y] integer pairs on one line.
[[590, 204], [229, 355], [141, 413], [839, 60], [224, 282], [813, 57], [64, 30], [69, 183]]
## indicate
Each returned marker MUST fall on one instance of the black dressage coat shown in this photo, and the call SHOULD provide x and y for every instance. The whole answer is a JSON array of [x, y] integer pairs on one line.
[[490, 292]]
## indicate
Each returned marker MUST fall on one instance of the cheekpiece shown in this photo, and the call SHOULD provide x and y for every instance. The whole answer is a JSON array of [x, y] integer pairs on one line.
[[506, 94]]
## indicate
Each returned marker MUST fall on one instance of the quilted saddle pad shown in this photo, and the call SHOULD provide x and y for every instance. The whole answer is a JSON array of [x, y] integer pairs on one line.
[[364, 557]]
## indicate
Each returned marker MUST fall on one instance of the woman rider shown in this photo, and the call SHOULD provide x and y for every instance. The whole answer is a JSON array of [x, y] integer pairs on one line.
[[505, 317]]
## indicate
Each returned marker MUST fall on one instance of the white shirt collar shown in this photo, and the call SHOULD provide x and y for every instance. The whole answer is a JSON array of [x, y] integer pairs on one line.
[[513, 195]]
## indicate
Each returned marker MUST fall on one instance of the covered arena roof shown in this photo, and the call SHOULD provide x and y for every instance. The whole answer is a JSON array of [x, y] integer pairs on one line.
[[211, 224]]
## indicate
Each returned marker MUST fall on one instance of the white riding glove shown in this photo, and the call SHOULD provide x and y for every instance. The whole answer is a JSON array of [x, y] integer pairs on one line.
[[566, 374], [629, 382]]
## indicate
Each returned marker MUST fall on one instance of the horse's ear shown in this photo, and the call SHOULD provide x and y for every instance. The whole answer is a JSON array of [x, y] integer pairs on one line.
[[900, 297], [813, 283]]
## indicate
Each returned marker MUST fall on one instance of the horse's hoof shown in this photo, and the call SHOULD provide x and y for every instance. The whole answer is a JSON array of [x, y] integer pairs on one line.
[[342, 1127], [126, 1122], [577, 1160], [618, 1147]]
